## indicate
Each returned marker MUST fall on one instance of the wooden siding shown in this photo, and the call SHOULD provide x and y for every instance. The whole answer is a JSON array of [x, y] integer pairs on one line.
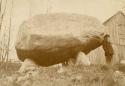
[[116, 28], [97, 56]]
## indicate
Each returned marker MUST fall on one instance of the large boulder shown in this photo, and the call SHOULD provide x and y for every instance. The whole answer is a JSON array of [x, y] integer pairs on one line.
[[49, 39]]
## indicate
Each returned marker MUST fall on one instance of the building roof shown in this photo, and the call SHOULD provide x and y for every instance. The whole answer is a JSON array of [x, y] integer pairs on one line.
[[119, 12]]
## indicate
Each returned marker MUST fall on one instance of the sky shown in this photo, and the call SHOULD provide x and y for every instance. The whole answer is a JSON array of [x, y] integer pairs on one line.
[[102, 9], [24, 9]]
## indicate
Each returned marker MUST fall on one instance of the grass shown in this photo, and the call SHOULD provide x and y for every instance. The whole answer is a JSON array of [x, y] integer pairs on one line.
[[8, 68], [94, 75]]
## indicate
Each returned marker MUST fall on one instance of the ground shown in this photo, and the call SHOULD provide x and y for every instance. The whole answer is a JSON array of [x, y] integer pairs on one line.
[[94, 75]]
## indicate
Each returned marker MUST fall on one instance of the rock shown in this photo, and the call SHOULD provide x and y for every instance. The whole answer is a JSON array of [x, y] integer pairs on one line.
[[82, 59], [50, 39], [61, 70], [119, 78], [28, 65]]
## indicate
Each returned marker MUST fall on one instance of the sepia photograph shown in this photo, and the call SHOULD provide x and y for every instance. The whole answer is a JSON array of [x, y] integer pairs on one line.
[[62, 42]]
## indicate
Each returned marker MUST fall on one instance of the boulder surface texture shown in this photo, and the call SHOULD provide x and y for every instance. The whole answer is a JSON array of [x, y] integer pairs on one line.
[[50, 39]]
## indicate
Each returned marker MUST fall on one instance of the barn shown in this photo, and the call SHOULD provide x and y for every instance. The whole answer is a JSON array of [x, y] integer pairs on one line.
[[116, 28]]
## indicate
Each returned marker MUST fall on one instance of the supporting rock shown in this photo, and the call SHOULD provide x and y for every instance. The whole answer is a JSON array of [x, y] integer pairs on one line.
[[82, 59], [28, 65]]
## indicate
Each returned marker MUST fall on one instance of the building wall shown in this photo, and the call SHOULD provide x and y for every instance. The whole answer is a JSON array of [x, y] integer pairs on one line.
[[97, 56], [116, 28]]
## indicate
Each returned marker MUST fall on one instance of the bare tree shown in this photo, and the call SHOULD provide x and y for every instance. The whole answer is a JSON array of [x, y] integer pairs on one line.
[[3, 6], [30, 7], [49, 7], [5, 38], [2, 11], [9, 30]]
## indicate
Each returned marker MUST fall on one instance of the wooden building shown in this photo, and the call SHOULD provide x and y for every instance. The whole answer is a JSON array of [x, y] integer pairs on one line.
[[115, 26]]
